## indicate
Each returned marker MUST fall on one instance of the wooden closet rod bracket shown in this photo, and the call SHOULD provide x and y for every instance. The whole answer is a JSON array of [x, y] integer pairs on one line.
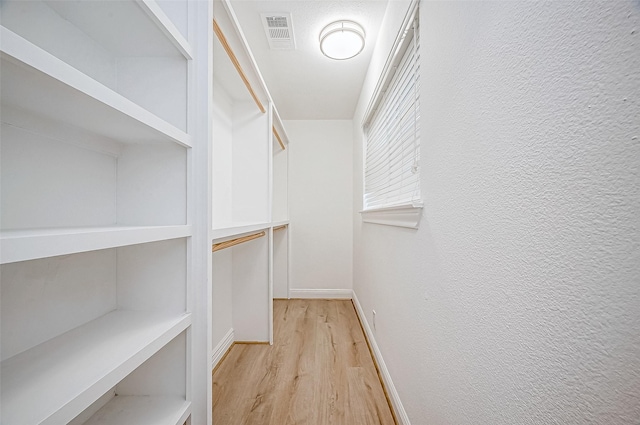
[[275, 132], [232, 242], [234, 60]]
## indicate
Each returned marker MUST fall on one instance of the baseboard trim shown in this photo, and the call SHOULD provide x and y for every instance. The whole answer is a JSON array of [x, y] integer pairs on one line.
[[392, 393], [222, 349], [344, 294]]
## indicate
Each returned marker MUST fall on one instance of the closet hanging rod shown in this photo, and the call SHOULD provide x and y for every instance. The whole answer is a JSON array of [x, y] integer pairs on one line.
[[234, 60], [279, 227], [275, 132], [236, 241]]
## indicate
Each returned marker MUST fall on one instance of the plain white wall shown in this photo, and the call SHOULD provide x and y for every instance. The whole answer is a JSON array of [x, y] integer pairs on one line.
[[280, 205], [518, 299], [222, 294], [41, 299], [221, 154], [320, 203], [250, 164], [250, 290], [40, 185], [280, 263]]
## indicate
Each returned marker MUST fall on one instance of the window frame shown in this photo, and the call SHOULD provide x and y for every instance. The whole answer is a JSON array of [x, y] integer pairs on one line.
[[405, 214]]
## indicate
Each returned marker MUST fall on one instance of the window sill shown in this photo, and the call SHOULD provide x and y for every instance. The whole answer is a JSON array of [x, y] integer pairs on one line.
[[407, 215]]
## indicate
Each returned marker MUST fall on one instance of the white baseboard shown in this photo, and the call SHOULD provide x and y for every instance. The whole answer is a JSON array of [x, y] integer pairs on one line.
[[222, 347], [401, 414], [321, 293]]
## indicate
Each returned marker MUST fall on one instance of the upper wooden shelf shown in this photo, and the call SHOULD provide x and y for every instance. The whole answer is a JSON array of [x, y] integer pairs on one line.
[[55, 381], [33, 80]]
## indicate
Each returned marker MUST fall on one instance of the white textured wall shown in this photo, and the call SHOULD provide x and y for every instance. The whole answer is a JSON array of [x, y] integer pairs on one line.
[[518, 299], [222, 295], [320, 204]]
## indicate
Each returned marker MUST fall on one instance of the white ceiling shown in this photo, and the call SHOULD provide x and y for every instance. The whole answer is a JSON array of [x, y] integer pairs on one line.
[[303, 82]]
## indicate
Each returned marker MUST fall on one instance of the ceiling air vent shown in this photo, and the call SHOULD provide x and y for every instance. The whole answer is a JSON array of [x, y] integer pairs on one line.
[[279, 30]]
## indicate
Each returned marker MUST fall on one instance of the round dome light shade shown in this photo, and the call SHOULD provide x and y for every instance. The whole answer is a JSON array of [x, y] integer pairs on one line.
[[342, 40]]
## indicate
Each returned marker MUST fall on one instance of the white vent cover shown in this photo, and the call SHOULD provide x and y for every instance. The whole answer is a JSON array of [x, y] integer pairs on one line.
[[279, 30]]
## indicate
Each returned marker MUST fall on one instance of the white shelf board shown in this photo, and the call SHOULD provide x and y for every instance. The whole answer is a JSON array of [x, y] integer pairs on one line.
[[237, 230], [280, 223], [55, 381], [125, 28], [23, 245], [142, 410], [34, 80], [162, 21]]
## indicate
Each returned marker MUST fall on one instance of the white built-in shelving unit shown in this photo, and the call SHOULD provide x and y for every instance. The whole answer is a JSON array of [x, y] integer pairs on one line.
[[249, 182], [241, 134], [96, 229]]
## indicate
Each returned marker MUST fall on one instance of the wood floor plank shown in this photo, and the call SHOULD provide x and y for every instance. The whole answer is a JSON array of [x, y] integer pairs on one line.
[[263, 390], [348, 316], [318, 372], [366, 410], [296, 389], [330, 375]]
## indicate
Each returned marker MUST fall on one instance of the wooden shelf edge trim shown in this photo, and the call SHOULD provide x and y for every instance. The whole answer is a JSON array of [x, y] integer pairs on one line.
[[236, 64], [232, 242], [275, 132]]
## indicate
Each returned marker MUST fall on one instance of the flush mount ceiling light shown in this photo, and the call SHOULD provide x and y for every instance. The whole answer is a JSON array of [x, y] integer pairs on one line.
[[342, 40]]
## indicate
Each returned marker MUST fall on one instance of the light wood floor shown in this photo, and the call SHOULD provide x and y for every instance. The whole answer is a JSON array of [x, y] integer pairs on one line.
[[318, 372]]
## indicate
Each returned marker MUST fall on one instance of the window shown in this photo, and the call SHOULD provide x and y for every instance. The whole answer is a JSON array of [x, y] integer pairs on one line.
[[392, 136]]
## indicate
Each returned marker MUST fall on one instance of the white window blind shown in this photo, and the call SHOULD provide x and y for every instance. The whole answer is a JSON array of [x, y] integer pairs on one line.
[[392, 156]]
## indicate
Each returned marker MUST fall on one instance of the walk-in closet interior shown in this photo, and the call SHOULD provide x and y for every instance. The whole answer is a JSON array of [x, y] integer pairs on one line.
[[169, 168]]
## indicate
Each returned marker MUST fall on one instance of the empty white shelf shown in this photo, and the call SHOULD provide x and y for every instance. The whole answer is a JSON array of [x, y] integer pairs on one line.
[[55, 381], [38, 82], [240, 229], [166, 26], [280, 223], [23, 245], [142, 410], [236, 230], [125, 28]]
